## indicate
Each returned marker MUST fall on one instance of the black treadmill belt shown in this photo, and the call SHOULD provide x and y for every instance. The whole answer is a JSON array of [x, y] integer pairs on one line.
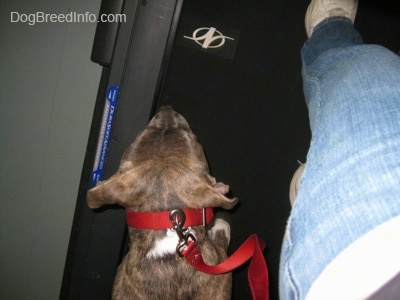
[[247, 111]]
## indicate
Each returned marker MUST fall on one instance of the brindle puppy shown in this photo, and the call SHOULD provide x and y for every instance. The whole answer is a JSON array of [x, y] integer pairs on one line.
[[165, 168]]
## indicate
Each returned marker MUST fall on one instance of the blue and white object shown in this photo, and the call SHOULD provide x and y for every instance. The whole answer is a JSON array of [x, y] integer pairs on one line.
[[104, 137]]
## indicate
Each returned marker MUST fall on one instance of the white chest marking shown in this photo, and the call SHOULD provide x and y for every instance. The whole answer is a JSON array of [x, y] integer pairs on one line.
[[165, 246]]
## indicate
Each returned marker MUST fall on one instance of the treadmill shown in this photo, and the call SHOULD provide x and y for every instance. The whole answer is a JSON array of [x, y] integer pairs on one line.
[[225, 67]]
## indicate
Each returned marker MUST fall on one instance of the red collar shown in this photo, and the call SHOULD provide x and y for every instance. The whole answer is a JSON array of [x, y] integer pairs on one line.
[[252, 247], [161, 220]]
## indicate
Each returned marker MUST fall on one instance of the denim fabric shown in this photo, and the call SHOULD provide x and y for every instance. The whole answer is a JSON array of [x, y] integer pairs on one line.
[[351, 182]]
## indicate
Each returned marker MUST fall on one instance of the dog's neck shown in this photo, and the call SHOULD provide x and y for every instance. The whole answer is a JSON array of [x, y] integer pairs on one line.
[[159, 225], [162, 219]]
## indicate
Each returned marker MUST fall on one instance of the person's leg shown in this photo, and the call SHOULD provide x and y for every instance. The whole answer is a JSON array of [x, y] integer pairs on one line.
[[351, 180]]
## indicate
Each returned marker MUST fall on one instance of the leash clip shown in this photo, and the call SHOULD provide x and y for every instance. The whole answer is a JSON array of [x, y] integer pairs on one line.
[[178, 218]]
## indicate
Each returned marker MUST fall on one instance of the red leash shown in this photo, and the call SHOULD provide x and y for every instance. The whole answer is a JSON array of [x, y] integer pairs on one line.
[[251, 248]]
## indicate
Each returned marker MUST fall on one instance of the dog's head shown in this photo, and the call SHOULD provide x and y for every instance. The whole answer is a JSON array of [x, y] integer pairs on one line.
[[165, 167]]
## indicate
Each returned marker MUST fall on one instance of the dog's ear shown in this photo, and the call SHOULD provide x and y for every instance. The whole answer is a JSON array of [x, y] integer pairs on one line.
[[210, 196], [111, 191]]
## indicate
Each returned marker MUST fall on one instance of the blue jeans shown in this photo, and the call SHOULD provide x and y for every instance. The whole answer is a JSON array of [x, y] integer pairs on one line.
[[351, 182]]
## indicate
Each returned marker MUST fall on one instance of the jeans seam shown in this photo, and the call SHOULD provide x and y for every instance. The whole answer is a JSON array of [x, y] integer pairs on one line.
[[290, 278]]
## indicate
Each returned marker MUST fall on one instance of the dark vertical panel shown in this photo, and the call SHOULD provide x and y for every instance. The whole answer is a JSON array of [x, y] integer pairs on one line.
[[98, 238]]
